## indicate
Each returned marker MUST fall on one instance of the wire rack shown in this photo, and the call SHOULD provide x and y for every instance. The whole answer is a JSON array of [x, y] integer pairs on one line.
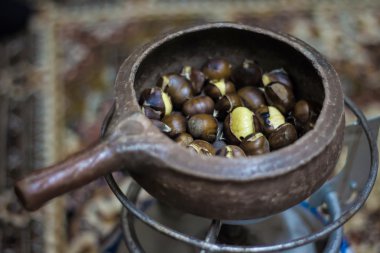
[[340, 205]]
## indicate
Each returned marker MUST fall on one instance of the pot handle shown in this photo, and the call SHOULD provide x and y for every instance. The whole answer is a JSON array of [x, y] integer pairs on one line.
[[106, 156]]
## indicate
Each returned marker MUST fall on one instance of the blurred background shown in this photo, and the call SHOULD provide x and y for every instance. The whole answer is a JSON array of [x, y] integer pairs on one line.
[[58, 62]]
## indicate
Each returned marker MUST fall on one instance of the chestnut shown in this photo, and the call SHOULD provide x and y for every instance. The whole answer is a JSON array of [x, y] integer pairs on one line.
[[255, 144], [184, 139], [239, 124], [283, 136], [217, 68], [203, 126], [305, 115], [230, 151], [270, 118], [252, 97], [178, 88], [218, 88], [155, 103], [195, 77], [247, 74], [280, 96], [198, 105], [277, 76], [226, 104], [202, 147], [177, 122]]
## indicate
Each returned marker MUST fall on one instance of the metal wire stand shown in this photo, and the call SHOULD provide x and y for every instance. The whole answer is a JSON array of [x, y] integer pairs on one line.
[[339, 212]]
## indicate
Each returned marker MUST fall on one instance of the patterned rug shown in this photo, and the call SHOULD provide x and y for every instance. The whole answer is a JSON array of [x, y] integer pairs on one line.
[[56, 87]]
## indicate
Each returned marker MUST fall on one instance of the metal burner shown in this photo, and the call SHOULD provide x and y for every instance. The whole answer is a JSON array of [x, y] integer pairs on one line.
[[306, 227]]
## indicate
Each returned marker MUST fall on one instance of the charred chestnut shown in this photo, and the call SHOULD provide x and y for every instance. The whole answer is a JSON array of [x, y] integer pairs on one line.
[[230, 151], [247, 74], [195, 77], [178, 88], [155, 103], [270, 118], [203, 126], [176, 122], [226, 104], [184, 139], [283, 136], [255, 144], [252, 97], [217, 68], [198, 105], [218, 88], [280, 96], [202, 147], [277, 76], [239, 124]]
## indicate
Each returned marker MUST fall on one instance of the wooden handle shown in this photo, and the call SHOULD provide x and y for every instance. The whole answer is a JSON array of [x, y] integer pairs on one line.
[[81, 168]]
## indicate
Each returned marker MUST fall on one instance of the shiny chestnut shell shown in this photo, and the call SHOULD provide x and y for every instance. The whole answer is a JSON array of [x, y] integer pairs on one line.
[[155, 103], [230, 151], [218, 88], [184, 139], [283, 136], [252, 97], [178, 88], [202, 147], [277, 76], [198, 105], [255, 144], [177, 123], [195, 77], [203, 126], [217, 68], [226, 104], [247, 74], [280, 96]]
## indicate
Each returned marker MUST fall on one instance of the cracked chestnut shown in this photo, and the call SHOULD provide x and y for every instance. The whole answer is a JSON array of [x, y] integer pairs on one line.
[[270, 118], [202, 147], [277, 76], [239, 124], [155, 103], [195, 77], [177, 87], [218, 88], [230, 151], [283, 136], [280, 96], [177, 123], [255, 144], [226, 104]]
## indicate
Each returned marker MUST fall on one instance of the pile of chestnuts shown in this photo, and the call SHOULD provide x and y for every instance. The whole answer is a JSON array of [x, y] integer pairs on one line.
[[229, 112]]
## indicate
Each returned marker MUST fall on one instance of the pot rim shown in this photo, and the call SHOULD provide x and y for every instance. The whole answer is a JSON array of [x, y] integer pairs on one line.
[[273, 164]]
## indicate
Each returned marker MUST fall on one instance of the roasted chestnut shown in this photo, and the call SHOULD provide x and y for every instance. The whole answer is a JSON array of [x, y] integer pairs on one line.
[[162, 126], [255, 144], [239, 124], [218, 88], [226, 104], [184, 139], [178, 88], [277, 76], [247, 74], [177, 123], [305, 115], [280, 96], [195, 77], [198, 105], [270, 118], [155, 103], [203, 126], [230, 151], [252, 97], [202, 147], [217, 68], [283, 136]]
